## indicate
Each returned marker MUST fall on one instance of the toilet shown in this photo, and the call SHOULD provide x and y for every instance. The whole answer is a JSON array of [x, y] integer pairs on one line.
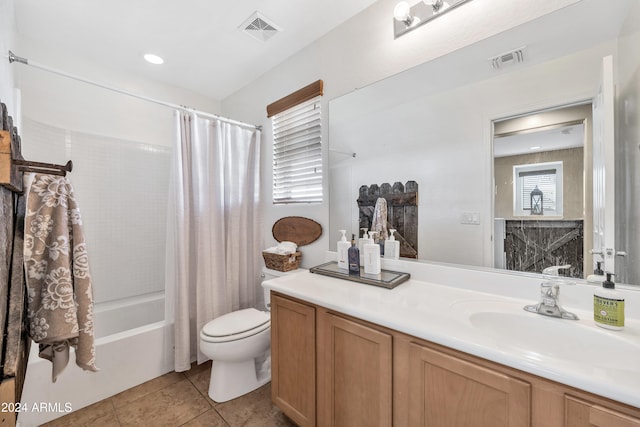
[[238, 345]]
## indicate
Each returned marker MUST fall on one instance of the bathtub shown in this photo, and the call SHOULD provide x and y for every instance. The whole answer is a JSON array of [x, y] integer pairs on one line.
[[129, 351], [122, 315]]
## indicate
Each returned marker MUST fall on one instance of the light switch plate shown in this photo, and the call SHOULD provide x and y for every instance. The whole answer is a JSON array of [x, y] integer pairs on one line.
[[470, 218]]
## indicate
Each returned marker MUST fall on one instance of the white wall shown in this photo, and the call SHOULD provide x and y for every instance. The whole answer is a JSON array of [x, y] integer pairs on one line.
[[69, 104], [358, 53], [443, 142], [7, 27], [628, 147], [121, 150]]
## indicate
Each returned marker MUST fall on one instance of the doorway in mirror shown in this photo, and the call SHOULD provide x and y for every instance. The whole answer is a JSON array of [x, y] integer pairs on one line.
[[543, 190]]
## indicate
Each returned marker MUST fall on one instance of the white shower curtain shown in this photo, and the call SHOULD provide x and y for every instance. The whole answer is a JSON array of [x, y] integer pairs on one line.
[[213, 234]]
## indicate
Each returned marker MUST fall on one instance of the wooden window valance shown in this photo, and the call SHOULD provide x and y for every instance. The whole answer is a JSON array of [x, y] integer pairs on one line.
[[306, 93]]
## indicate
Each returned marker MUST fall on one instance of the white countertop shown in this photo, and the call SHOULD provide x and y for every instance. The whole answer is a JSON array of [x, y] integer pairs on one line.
[[557, 349]]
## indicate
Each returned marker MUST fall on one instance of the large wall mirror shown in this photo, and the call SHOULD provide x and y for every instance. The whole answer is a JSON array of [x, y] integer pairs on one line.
[[434, 124]]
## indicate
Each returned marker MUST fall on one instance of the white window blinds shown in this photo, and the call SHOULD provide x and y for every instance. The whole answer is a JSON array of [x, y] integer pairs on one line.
[[545, 181], [547, 177], [297, 154]]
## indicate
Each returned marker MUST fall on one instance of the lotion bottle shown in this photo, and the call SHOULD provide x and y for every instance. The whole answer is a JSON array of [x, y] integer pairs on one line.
[[608, 306], [372, 256], [392, 246], [343, 249], [354, 257]]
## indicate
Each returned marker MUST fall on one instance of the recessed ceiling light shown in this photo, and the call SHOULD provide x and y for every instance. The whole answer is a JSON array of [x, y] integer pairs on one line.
[[537, 147], [153, 59]]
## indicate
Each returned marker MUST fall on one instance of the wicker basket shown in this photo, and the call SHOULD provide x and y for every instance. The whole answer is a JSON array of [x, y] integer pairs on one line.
[[282, 262]]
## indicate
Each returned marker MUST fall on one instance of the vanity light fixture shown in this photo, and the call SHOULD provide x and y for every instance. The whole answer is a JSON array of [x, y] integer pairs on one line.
[[437, 5], [153, 59], [402, 13], [407, 18]]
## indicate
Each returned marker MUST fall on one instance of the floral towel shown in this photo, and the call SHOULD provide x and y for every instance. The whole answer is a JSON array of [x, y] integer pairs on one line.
[[60, 297], [379, 220]]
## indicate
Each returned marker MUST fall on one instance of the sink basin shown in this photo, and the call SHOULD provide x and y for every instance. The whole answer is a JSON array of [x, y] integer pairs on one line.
[[544, 336], [541, 338]]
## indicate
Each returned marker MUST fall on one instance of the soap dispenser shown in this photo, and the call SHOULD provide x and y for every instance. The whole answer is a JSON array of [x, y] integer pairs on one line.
[[354, 257], [372, 256], [343, 249], [392, 246], [608, 306], [363, 240], [598, 274]]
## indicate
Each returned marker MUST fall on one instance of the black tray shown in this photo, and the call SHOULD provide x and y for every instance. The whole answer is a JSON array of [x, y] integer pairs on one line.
[[386, 279]]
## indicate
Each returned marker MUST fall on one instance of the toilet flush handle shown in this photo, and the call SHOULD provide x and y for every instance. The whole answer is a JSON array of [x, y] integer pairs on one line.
[[266, 304]]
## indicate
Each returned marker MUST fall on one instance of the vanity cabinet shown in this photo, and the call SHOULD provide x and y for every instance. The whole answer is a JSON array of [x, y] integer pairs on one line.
[[580, 413], [293, 359], [447, 391], [354, 373], [330, 369]]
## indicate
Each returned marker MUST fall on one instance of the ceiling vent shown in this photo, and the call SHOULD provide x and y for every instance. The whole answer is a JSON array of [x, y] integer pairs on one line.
[[259, 27], [513, 57]]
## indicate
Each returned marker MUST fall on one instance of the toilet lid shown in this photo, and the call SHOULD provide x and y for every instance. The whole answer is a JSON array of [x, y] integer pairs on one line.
[[238, 322]]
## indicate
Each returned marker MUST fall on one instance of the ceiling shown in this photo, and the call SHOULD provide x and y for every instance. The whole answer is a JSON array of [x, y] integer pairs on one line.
[[204, 49], [547, 139]]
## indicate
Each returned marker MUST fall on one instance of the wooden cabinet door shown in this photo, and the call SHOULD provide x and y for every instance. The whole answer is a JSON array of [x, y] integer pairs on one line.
[[293, 362], [354, 373], [579, 413], [445, 391]]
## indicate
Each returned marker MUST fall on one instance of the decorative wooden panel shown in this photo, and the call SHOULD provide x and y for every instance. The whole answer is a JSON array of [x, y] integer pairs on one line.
[[10, 176], [14, 341], [402, 212], [534, 245], [297, 229], [6, 249]]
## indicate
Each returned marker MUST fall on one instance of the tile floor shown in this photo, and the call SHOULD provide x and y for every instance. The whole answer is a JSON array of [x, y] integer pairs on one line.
[[178, 399]]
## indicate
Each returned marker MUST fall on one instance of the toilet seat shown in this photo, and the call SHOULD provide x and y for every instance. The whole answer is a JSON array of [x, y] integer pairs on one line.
[[236, 325]]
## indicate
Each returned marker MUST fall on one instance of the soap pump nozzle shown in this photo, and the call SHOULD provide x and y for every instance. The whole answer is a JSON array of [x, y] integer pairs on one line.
[[392, 236], [609, 284], [344, 235], [598, 271]]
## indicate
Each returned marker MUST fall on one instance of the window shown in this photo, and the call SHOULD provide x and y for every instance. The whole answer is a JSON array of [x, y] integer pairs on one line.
[[546, 177], [297, 151]]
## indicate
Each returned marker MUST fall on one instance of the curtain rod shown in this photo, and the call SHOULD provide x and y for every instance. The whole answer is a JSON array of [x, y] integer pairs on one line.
[[14, 58]]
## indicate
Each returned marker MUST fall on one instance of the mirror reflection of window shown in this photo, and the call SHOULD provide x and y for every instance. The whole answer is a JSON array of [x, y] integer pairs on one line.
[[547, 179]]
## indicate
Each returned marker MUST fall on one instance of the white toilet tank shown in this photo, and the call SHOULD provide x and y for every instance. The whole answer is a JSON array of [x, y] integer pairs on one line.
[[268, 274]]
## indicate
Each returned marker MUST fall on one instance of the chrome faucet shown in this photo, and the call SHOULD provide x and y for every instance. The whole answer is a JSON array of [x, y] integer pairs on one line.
[[549, 304]]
